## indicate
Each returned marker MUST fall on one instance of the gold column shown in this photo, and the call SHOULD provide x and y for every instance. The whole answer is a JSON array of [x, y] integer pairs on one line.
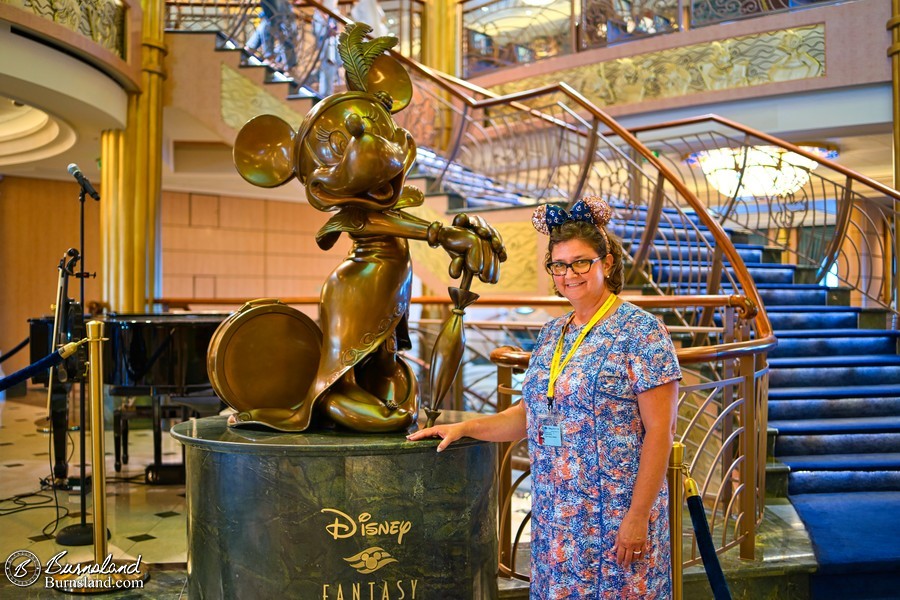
[[439, 39], [116, 216], [894, 52], [148, 153], [132, 174]]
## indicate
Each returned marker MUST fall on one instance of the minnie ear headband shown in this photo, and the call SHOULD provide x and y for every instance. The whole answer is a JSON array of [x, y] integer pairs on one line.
[[591, 209]]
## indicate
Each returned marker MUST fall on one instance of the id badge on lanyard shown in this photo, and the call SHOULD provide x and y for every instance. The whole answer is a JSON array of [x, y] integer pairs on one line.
[[550, 424], [550, 430]]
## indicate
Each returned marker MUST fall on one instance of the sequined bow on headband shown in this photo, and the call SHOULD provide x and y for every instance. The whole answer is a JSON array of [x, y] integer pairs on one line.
[[591, 209]]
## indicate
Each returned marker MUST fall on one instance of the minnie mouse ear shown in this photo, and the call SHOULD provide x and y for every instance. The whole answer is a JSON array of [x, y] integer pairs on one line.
[[600, 210], [263, 151], [388, 75], [539, 219]]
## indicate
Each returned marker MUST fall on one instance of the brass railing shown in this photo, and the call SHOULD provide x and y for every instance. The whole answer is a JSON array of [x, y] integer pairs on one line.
[[104, 22], [102, 33], [837, 227], [546, 29], [721, 422], [721, 405], [304, 39]]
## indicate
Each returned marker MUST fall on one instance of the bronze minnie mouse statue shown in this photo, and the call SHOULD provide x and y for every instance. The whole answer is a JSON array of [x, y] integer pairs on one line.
[[353, 158]]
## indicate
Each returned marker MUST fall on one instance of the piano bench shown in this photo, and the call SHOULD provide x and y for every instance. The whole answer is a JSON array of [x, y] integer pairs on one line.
[[125, 413]]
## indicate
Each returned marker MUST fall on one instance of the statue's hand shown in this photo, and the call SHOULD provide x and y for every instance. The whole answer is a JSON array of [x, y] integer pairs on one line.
[[474, 246]]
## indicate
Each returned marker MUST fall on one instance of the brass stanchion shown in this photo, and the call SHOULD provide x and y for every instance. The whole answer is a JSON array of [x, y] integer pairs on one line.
[[103, 574], [676, 500]]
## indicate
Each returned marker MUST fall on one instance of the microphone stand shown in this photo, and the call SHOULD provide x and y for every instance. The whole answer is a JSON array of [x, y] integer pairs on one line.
[[81, 534]]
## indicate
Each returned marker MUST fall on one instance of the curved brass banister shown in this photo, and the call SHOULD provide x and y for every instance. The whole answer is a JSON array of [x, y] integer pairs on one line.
[[840, 232], [516, 358], [771, 140], [745, 307], [860, 213], [516, 100]]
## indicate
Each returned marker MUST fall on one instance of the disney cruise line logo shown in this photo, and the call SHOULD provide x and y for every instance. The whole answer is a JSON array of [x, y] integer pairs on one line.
[[370, 560]]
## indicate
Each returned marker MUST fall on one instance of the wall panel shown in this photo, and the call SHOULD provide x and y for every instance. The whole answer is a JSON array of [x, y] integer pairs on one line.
[[39, 221]]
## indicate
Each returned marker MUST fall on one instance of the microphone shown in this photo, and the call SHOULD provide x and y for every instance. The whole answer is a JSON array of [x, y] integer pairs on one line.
[[75, 172]]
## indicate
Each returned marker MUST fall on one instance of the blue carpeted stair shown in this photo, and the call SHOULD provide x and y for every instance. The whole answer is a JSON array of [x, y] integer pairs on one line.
[[834, 399]]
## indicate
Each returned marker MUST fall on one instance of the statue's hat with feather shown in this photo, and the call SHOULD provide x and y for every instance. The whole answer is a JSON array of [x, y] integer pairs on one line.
[[369, 69], [267, 151]]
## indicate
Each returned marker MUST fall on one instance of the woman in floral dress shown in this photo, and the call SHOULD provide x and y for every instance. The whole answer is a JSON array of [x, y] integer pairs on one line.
[[599, 411]]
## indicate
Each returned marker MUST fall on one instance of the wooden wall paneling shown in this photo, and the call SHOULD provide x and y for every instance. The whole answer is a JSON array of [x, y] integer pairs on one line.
[[39, 221]]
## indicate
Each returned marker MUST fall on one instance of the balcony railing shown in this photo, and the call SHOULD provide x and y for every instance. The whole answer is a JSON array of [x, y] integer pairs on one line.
[[297, 39], [503, 33], [836, 224]]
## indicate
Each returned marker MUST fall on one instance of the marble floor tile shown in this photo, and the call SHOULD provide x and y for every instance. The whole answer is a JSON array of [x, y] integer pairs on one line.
[[142, 519]]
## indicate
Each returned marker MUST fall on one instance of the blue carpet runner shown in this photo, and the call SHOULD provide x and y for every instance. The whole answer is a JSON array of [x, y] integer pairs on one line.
[[834, 398], [855, 537]]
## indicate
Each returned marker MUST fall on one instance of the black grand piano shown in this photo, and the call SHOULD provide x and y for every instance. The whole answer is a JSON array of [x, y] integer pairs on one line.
[[162, 356]]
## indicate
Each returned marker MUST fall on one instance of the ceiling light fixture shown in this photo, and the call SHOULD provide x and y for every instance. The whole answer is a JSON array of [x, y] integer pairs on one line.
[[767, 170], [28, 134]]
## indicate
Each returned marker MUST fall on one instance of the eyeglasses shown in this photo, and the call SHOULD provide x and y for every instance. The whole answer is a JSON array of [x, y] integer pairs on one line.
[[579, 267]]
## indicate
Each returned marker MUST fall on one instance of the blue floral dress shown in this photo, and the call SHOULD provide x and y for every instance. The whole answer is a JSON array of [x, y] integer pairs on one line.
[[582, 489]]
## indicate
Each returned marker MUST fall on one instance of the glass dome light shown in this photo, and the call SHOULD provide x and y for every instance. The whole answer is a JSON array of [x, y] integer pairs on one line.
[[768, 170]]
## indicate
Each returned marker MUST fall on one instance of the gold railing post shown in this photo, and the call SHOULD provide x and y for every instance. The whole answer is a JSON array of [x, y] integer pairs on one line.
[[729, 367], [749, 476], [504, 472], [894, 52], [99, 580], [98, 458], [676, 502]]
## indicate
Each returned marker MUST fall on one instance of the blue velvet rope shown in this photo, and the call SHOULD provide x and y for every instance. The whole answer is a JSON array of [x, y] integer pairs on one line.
[[49, 361], [707, 549]]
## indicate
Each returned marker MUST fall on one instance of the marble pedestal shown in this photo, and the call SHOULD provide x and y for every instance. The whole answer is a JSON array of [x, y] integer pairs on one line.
[[337, 515]]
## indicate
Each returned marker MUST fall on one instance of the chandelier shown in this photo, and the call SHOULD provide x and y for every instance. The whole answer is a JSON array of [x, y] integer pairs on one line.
[[767, 170]]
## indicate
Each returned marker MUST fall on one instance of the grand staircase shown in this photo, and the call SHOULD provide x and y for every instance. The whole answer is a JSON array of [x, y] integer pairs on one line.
[[834, 400], [834, 410]]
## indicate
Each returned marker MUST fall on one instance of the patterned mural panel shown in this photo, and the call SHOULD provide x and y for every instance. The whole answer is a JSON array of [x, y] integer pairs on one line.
[[102, 21], [752, 60], [242, 99]]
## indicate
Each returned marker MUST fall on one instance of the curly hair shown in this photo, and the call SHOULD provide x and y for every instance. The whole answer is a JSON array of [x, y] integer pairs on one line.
[[591, 235]]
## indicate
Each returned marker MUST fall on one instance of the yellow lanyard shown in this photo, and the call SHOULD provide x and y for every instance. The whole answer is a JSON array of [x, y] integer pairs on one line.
[[555, 367]]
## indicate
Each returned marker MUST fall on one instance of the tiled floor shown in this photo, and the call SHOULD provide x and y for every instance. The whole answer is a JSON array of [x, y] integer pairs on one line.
[[143, 520]]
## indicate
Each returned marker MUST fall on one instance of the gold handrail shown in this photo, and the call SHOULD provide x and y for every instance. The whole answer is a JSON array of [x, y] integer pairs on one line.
[[746, 308], [858, 214], [773, 141], [506, 356]]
